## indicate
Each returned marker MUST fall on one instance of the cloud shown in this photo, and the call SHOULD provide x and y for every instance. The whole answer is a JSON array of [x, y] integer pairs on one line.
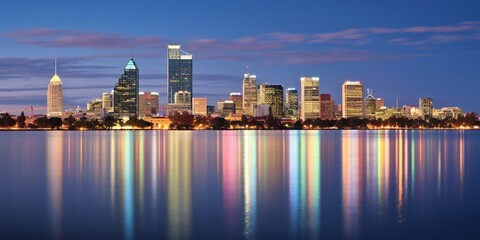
[[70, 38]]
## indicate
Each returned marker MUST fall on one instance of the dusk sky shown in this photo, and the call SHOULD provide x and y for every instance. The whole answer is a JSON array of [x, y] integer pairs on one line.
[[405, 49]]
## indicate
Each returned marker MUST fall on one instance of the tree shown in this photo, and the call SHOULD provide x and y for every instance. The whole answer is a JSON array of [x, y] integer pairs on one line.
[[70, 122], [110, 122], [55, 122], [21, 120], [41, 122], [7, 121]]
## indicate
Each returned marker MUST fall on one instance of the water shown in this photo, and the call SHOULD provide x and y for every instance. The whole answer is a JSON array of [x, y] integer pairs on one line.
[[240, 184]]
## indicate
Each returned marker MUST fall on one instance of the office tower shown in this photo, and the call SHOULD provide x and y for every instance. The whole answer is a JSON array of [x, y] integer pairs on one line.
[[54, 95], [179, 73], [370, 105], [148, 104], [125, 93], [181, 102], [237, 98], [291, 103], [310, 102], [327, 106], [249, 87], [352, 99], [261, 110], [426, 106], [271, 95], [107, 101], [199, 106]]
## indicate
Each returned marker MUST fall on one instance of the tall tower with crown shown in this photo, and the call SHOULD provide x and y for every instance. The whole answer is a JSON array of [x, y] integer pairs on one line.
[[54, 95]]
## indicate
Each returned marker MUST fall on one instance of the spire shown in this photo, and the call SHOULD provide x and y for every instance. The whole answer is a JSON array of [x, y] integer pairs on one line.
[[55, 66], [131, 54]]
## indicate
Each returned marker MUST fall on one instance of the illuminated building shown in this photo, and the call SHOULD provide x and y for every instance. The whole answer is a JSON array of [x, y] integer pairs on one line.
[[199, 106], [54, 95], [271, 95], [249, 93], [179, 73], [327, 106], [125, 93], [226, 108], [95, 106], [182, 102], [107, 101], [291, 103], [380, 103], [148, 104], [426, 105], [352, 99], [310, 101], [237, 98]]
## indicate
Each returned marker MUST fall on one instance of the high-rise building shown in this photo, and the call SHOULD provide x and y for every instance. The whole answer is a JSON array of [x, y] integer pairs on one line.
[[54, 95], [107, 101], [125, 93], [179, 73], [310, 101], [249, 87], [291, 103], [237, 98], [148, 104], [352, 99], [271, 95], [426, 106], [199, 106], [327, 106], [370, 105]]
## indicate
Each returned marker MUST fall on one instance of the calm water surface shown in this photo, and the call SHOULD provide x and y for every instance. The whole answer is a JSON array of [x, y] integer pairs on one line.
[[240, 184]]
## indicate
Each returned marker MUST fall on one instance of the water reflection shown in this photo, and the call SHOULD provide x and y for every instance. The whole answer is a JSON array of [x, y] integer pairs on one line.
[[252, 183]]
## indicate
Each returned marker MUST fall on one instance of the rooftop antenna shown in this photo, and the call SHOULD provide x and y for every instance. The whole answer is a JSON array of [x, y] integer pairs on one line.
[[397, 101], [131, 54], [55, 66], [247, 68]]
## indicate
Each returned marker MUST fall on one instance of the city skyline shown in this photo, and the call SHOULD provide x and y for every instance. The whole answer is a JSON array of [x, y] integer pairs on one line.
[[398, 57]]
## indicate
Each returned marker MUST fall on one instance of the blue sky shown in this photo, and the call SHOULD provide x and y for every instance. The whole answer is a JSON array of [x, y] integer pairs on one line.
[[405, 49]]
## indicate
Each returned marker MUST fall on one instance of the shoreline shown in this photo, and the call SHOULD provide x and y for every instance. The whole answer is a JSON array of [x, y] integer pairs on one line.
[[322, 129]]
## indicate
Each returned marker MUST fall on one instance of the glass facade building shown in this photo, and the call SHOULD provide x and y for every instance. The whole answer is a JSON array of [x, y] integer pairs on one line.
[[179, 73], [125, 93]]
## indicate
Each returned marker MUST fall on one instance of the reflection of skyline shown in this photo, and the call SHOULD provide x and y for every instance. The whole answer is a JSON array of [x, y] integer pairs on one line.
[[55, 181], [147, 175]]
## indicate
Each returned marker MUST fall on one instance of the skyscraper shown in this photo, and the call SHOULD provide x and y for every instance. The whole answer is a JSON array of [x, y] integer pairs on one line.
[[352, 99], [426, 106], [179, 73], [125, 93], [310, 101], [327, 106], [54, 95], [271, 95], [249, 87], [291, 103], [148, 106]]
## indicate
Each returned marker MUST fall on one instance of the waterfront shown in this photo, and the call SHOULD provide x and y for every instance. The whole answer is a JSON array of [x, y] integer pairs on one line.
[[383, 184]]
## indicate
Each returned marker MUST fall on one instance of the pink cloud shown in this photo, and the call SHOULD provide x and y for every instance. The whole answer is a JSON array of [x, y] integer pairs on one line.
[[69, 38]]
